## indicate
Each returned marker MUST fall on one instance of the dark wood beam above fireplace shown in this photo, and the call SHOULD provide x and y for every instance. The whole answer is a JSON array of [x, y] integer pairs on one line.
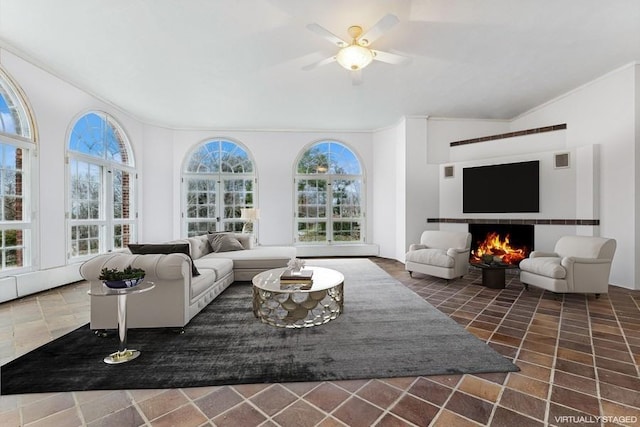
[[515, 221]]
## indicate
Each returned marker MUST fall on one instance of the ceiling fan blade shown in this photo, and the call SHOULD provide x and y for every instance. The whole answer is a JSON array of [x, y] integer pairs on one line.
[[356, 77], [390, 58], [381, 27], [319, 63], [326, 34]]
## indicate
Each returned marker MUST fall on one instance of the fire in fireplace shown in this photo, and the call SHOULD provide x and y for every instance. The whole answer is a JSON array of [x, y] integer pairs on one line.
[[505, 243]]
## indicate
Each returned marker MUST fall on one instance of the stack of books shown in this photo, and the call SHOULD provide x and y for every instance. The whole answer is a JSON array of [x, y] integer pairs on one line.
[[303, 277]]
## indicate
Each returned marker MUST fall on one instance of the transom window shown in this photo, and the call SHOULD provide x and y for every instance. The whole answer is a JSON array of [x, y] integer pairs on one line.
[[101, 187], [219, 180], [17, 145], [329, 195]]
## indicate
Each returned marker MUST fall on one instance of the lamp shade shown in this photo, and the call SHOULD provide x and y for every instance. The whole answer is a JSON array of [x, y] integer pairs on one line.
[[354, 57], [250, 214]]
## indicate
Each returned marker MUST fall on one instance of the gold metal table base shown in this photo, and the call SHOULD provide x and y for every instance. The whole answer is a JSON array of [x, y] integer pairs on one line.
[[121, 357]]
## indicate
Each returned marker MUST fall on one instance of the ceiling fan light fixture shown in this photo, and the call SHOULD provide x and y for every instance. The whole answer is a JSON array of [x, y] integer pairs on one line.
[[354, 57]]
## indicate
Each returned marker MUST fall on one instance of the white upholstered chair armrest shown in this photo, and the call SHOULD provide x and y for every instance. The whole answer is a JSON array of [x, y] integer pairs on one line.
[[539, 254], [567, 261], [453, 252], [416, 246]]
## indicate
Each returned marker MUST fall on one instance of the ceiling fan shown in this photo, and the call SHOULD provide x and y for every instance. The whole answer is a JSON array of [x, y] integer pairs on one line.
[[357, 54]]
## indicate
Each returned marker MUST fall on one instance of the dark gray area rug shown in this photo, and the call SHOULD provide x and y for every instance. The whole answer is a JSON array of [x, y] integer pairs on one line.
[[386, 330]]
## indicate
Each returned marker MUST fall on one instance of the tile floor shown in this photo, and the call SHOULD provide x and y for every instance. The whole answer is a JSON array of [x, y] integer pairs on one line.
[[579, 359]]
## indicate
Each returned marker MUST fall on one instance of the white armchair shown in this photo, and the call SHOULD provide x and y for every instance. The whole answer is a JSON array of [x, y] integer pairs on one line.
[[442, 254], [578, 264]]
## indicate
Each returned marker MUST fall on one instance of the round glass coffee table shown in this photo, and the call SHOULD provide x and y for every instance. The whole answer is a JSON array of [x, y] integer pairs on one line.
[[298, 305]]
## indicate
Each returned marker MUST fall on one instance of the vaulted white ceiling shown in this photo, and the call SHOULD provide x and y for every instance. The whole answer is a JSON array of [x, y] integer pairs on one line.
[[237, 64]]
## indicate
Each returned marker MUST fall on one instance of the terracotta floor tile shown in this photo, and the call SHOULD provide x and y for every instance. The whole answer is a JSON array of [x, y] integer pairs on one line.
[[613, 409], [379, 393], [98, 408], [494, 377], [327, 396], [614, 365], [536, 358], [447, 418], [390, 420], [626, 381], [273, 399], [448, 380], [402, 383], [43, 408], [575, 368], [242, 415], [480, 388], [300, 388], [124, 417], [415, 410], [527, 385], [523, 403], [470, 407], [248, 390], [431, 391], [534, 371], [575, 356], [350, 385], [300, 414], [504, 417], [575, 382], [621, 395], [218, 401], [162, 403], [186, 416], [355, 412], [576, 400]]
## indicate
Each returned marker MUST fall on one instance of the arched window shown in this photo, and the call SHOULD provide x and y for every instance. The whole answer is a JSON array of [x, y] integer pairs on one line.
[[329, 195], [17, 145], [219, 180], [102, 175]]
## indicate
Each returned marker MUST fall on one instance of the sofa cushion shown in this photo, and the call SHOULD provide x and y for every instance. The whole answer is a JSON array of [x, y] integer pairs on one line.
[[224, 242], [221, 266], [203, 282], [437, 257], [544, 266], [167, 248], [245, 239], [199, 246], [259, 258]]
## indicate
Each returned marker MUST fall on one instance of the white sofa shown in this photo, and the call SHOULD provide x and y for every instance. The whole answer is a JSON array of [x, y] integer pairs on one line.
[[442, 254], [578, 264], [178, 296]]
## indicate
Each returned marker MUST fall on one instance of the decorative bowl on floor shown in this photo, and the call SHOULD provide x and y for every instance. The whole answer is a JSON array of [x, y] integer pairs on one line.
[[120, 284]]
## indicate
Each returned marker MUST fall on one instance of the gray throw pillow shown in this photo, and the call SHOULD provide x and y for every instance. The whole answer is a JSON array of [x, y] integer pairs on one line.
[[224, 242]]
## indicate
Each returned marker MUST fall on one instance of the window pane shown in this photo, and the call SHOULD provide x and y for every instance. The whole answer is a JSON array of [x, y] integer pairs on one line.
[[312, 231], [13, 116], [214, 162], [86, 240], [336, 201]]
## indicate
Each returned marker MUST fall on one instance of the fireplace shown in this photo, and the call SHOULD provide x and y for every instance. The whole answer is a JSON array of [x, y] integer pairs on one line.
[[506, 243]]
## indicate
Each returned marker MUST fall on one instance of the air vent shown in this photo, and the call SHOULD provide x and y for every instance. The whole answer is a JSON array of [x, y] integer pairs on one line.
[[448, 171], [561, 160]]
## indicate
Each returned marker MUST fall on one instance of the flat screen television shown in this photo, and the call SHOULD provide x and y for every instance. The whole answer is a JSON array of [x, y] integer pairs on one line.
[[504, 188]]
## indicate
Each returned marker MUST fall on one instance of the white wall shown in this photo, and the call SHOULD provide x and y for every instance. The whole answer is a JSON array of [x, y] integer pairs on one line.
[[389, 172], [604, 112]]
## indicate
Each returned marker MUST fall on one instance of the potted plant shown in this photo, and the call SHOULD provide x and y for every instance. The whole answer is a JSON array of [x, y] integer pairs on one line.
[[127, 278]]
